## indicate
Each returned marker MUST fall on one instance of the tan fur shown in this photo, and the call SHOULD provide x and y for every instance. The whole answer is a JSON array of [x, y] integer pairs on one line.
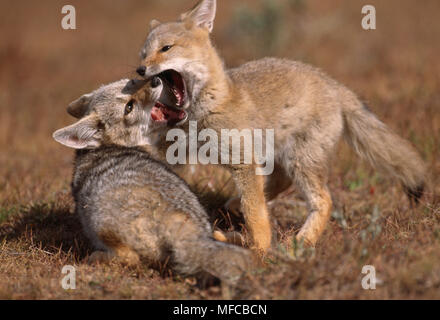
[[254, 206], [229, 237], [124, 253], [308, 110]]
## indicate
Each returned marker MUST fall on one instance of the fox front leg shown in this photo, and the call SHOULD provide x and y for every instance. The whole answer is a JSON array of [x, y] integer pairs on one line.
[[253, 206]]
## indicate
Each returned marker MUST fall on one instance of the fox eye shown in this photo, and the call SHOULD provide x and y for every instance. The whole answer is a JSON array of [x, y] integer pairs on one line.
[[129, 107], [166, 48]]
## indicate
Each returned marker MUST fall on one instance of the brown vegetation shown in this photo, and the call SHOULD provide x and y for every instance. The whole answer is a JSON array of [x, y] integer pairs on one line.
[[395, 69]]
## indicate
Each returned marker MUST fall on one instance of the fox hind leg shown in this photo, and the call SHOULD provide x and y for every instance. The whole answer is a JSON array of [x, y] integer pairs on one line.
[[319, 202], [311, 179], [306, 158], [119, 250], [124, 255]]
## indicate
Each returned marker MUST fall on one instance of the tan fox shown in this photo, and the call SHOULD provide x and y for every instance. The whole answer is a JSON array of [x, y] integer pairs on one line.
[[308, 110], [131, 206]]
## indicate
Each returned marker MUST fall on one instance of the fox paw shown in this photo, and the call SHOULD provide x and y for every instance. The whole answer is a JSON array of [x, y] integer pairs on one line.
[[230, 237]]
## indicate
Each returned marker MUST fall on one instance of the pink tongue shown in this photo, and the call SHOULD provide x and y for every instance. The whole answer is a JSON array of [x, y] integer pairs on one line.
[[160, 114], [157, 114]]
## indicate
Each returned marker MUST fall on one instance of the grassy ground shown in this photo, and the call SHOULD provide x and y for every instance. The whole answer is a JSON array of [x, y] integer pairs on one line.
[[395, 68]]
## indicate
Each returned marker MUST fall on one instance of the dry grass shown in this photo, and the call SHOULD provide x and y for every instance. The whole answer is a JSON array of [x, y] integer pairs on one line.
[[396, 68]]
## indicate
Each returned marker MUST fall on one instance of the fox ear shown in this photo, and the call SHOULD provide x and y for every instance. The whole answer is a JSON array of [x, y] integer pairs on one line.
[[79, 107], [154, 23], [81, 135], [203, 14]]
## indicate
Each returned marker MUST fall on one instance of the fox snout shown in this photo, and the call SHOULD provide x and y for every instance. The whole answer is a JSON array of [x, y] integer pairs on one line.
[[155, 81], [142, 70]]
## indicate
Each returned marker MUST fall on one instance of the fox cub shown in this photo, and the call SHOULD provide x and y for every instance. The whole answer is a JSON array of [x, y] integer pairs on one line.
[[131, 206], [308, 111]]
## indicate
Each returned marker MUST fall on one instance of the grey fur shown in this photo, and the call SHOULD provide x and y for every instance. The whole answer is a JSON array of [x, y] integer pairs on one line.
[[124, 192], [131, 206]]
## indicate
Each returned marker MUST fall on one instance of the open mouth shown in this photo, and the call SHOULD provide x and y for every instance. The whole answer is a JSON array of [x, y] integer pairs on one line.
[[169, 108], [162, 113]]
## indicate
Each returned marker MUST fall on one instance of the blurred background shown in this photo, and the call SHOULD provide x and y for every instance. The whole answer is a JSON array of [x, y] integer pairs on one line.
[[395, 69]]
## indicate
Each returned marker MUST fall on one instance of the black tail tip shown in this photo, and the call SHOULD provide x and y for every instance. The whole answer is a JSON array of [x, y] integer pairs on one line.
[[414, 194]]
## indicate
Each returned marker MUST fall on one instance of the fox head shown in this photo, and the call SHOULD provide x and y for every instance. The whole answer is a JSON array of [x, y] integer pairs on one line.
[[116, 114], [181, 52]]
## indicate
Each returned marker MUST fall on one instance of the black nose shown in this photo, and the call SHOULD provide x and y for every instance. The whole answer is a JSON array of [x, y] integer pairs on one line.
[[155, 82], [141, 70]]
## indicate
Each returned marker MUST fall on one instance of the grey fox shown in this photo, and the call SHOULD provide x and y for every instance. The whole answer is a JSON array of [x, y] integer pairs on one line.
[[131, 206]]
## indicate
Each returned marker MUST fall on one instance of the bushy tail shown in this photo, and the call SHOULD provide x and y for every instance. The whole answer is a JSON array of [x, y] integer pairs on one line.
[[386, 151], [227, 262]]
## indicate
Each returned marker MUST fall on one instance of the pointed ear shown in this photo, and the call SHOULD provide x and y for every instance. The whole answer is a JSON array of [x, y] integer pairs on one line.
[[154, 23], [203, 14], [81, 135], [79, 107]]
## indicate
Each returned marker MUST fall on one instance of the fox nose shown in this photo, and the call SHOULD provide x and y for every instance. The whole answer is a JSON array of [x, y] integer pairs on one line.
[[141, 70], [155, 82]]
